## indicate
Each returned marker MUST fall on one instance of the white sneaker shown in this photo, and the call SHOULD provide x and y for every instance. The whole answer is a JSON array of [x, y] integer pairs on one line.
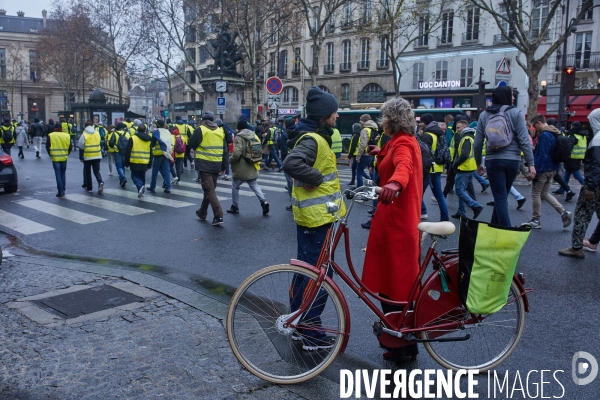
[[141, 192], [424, 216], [100, 187], [434, 200]]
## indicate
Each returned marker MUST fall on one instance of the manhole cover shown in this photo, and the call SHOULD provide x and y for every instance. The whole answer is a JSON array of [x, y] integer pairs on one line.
[[87, 301]]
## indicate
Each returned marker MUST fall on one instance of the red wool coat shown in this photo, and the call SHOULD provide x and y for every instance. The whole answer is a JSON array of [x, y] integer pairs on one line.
[[392, 259]]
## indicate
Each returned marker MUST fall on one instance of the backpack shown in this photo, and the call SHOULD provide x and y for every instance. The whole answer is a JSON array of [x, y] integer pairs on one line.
[[112, 141], [179, 145], [102, 132], [441, 155], [372, 135], [498, 131], [276, 136], [562, 149], [122, 143], [426, 156], [253, 152], [7, 135]]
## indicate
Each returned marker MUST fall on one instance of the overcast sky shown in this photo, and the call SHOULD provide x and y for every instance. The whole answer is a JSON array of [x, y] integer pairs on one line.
[[31, 8]]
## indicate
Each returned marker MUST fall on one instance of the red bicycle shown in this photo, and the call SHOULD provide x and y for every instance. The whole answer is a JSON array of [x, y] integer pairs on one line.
[[264, 332]]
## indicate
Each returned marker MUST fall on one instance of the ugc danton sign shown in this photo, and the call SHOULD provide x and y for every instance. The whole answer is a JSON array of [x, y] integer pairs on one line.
[[438, 85]]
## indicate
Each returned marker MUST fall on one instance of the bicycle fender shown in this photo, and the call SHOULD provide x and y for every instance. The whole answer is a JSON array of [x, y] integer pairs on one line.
[[523, 292], [338, 292]]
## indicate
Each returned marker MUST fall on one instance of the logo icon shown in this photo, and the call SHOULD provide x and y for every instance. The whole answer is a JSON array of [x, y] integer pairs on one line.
[[581, 368]]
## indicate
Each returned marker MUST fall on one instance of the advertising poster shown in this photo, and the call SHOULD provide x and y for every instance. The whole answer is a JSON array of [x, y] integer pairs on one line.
[[118, 117], [462, 102], [100, 118], [426, 103], [444, 102]]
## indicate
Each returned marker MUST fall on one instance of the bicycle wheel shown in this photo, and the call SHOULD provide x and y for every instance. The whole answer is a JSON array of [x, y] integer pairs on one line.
[[273, 353], [492, 339]]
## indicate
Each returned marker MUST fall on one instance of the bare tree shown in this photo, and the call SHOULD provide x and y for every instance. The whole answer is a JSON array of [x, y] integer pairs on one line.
[[15, 70], [523, 25]]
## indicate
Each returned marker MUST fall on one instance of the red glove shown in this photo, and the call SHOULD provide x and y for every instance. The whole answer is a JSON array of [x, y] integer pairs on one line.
[[373, 150], [388, 192]]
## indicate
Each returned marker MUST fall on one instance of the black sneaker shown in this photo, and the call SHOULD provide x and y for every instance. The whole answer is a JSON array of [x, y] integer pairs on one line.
[[167, 191], [366, 225], [570, 195], [233, 210], [312, 344], [457, 215], [217, 221], [150, 189], [477, 211], [123, 183], [202, 217], [520, 203], [265, 207], [484, 188]]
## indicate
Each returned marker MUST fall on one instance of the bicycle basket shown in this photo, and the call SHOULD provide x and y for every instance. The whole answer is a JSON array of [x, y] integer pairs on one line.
[[487, 259]]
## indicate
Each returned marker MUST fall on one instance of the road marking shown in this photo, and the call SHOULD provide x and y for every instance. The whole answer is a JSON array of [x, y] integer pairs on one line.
[[107, 205], [226, 189], [21, 225], [148, 198], [196, 195], [61, 212]]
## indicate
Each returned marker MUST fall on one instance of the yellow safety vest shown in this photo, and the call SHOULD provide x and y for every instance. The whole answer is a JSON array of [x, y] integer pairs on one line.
[[92, 145], [129, 125], [578, 152], [270, 141], [140, 152], [211, 147], [59, 146], [7, 128], [469, 164], [436, 167], [66, 127], [336, 141], [184, 129], [309, 206], [353, 139]]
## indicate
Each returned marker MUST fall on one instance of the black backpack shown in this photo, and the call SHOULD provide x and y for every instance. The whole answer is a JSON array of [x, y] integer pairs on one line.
[[112, 141], [562, 149], [426, 156], [372, 137], [7, 135], [441, 155], [122, 143]]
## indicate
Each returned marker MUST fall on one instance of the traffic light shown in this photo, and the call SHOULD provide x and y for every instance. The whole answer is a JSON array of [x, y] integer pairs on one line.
[[569, 79]]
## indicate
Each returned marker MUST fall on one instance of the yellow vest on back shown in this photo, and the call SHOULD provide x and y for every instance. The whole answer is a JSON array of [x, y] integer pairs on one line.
[[336, 141], [92, 145], [469, 164], [211, 147], [578, 152], [436, 167], [59, 146], [140, 152]]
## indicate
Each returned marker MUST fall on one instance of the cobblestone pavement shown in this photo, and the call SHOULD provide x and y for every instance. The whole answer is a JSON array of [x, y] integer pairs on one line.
[[161, 348]]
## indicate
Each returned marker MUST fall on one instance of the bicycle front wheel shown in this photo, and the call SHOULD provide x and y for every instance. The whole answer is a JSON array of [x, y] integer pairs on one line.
[[491, 340], [264, 346]]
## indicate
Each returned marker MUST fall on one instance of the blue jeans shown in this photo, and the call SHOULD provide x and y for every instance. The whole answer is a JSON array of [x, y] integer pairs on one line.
[[518, 196], [273, 156], [461, 180], [138, 178], [119, 165], [310, 242], [364, 162], [162, 164], [482, 181], [567, 177], [501, 175], [435, 179], [60, 168]]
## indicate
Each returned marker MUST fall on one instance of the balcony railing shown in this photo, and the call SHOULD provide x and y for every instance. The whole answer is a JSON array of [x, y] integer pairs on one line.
[[347, 25], [470, 37], [370, 97], [260, 75], [500, 38], [443, 41], [363, 65], [345, 67], [295, 71], [328, 68], [588, 61], [383, 64], [534, 35], [421, 43], [272, 73], [587, 17]]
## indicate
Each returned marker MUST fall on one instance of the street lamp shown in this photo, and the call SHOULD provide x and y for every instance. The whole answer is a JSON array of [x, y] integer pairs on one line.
[[543, 83]]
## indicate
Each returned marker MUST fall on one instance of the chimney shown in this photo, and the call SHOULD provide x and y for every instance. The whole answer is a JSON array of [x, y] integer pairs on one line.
[[20, 13], [44, 15], [2, 11]]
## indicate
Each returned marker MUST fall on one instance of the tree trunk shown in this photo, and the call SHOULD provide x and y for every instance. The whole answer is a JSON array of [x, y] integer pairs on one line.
[[119, 85], [533, 91]]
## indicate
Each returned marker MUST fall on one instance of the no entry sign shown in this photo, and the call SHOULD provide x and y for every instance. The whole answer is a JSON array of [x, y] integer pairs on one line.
[[274, 85]]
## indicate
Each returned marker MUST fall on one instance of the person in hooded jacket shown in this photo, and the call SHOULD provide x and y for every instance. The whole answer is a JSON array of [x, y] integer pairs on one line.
[[138, 158], [50, 127], [588, 201], [464, 165], [90, 156], [431, 134], [503, 164], [21, 138], [578, 136], [37, 132]]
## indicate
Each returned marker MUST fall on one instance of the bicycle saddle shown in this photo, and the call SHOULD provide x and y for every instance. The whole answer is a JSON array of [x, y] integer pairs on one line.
[[437, 228]]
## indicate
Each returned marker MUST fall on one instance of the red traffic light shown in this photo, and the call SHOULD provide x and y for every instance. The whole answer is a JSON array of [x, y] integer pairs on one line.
[[569, 70]]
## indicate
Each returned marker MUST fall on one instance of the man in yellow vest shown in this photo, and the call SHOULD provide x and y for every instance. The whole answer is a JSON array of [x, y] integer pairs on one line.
[[212, 156], [464, 164], [58, 146], [368, 134], [336, 143], [162, 146], [578, 136], [432, 133], [312, 165], [91, 156], [138, 158], [7, 136]]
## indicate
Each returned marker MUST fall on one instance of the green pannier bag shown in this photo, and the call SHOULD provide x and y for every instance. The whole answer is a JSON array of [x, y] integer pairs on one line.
[[487, 259]]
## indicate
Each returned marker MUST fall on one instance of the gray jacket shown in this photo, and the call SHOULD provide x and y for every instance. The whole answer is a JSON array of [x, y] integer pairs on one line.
[[521, 141], [240, 168]]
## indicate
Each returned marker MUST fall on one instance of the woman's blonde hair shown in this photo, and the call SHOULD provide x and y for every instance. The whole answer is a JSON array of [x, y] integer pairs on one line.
[[397, 114]]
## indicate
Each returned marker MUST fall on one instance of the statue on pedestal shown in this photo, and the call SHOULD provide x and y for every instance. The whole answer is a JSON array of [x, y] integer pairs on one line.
[[225, 50]]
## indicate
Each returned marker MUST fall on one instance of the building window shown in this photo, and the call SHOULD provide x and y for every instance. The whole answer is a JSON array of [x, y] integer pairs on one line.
[[203, 54], [283, 57], [192, 96], [347, 51], [466, 72], [315, 24], [583, 49], [423, 39], [285, 99], [508, 28], [366, 12], [191, 53], [190, 34], [34, 66], [447, 27], [472, 32], [365, 49], [383, 51], [589, 14], [324, 88], [296, 69], [329, 64], [539, 16], [331, 23], [371, 93], [441, 71], [191, 77], [290, 95], [272, 59], [347, 16], [294, 95], [418, 74], [273, 37], [385, 10], [3, 63], [345, 91]]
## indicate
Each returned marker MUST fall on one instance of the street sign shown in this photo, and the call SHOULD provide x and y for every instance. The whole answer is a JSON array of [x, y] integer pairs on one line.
[[221, 105], [503, 67], [165, 113], [274, 85], [552, 98], [273, 101]]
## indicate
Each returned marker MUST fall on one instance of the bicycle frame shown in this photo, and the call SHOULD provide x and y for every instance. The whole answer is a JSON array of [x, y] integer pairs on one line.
[[394, 325]]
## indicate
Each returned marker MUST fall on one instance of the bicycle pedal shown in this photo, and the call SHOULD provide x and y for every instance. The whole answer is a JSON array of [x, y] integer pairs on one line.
[[377, 328]]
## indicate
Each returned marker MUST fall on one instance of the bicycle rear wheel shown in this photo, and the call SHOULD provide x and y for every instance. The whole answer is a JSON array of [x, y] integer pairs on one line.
[[269, 351], [492, 340]]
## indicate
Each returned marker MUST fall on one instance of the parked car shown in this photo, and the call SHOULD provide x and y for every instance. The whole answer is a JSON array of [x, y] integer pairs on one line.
[[8, 173]]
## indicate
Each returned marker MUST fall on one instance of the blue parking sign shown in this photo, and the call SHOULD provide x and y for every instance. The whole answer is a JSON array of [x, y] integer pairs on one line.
[[221, 105]]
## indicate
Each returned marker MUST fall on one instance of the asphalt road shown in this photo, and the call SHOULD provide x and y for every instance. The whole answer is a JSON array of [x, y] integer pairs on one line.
[[564, 315]]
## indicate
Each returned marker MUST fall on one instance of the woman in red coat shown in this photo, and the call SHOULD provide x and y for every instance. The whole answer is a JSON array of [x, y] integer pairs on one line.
[[392, 259]]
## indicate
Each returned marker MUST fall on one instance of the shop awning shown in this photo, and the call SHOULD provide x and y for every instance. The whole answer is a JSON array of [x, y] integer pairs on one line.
[[581, 105]]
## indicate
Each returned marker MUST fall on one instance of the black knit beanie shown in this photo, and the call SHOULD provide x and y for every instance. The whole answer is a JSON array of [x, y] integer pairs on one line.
[[320, 104], [242, 124], [427, 118]]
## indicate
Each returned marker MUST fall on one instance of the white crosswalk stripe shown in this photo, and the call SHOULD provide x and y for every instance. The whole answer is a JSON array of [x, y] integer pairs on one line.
[[226, 189], [21, 225], [148, 198], [107, 204], [61, 212], [197, 195]]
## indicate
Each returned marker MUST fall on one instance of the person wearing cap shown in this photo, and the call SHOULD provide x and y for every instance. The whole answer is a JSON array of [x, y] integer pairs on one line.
[[368, 134], [90, 156], [312, 165], [212, 156], [162, 144], [432, 133], [59, 146], [244, 170], [21, 138]]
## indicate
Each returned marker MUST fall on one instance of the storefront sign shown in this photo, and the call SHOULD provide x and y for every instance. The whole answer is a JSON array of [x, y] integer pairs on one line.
[[438, 85], [288, 111]]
